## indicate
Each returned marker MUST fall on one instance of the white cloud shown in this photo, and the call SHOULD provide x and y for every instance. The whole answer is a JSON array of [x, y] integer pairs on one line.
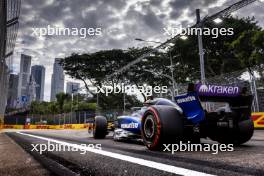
[[133, 19]]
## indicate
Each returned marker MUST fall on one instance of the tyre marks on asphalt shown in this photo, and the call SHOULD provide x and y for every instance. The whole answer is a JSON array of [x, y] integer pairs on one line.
[[134, 160], [204, 162]]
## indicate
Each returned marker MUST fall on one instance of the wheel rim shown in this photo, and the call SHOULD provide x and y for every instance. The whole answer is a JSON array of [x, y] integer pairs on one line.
[[149, 126]]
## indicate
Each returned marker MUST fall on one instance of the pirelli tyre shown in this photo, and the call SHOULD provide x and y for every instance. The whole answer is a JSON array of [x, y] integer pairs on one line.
[[100, 127], [242, 134], [161, 125]]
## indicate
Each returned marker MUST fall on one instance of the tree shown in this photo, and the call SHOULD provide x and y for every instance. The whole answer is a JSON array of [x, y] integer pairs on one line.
[[92, 68], [61, 98], [224, 54], [37, 107], [64, 104], [220, 55], [249, 49], [52, 106]]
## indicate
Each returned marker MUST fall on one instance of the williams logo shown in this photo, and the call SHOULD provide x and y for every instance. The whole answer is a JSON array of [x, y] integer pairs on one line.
[[187, 99], [129, 125], [217, 90]]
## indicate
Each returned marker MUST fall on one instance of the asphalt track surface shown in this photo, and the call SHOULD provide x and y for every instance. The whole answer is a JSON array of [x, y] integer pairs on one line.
[[132, 157]]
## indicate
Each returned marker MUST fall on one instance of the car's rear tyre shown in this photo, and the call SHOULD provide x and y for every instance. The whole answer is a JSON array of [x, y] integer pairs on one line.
[[161, 125], [246, 131], [242, 134], [100, 127]]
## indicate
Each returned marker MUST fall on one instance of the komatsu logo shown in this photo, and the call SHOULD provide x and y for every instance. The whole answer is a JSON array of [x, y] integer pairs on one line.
[[129, 125], [229, 90], [187, 99]]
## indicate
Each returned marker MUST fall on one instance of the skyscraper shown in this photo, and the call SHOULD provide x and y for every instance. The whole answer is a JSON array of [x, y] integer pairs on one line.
[[57, 80], [12, 91], [24, 78], [9, 15], [72, 87], [38, 75]]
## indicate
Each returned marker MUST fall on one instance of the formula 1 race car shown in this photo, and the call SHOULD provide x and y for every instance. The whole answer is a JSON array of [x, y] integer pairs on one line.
[[221, 113]]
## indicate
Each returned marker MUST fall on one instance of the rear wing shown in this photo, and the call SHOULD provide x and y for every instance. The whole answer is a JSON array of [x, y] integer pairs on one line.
[[238, 98]]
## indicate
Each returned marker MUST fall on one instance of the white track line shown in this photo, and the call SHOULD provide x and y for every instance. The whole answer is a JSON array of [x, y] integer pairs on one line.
[[143, 162]]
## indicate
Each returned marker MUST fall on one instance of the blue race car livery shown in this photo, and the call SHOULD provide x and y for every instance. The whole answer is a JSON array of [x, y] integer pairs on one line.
[[163, 121]]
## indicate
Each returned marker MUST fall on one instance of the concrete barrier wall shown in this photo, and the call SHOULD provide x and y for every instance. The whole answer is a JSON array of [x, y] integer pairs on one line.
[[58, 127], [257, 117]]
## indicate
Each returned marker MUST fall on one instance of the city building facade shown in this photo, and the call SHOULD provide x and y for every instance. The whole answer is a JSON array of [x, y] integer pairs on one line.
[[9, 15], [12, 100], [31, 88], [57, 80], [24, 79], [38, 76]]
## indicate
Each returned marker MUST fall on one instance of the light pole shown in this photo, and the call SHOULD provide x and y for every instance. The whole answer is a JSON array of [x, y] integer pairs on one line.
[[97, 102], [124, 97], [172, 76], [72, 96], [200, 24], [167, 76], [200, 44], [254, 91], [124, 102], [171, 65], [71, 106]]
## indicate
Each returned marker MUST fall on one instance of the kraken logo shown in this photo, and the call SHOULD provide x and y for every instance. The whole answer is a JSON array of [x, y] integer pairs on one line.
[[203, 88]]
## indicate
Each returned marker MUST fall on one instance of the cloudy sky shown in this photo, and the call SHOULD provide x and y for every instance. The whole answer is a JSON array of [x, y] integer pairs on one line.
[[121, 21]]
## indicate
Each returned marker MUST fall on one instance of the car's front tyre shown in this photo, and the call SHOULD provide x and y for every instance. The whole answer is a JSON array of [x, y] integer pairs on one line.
[[100, 127]]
